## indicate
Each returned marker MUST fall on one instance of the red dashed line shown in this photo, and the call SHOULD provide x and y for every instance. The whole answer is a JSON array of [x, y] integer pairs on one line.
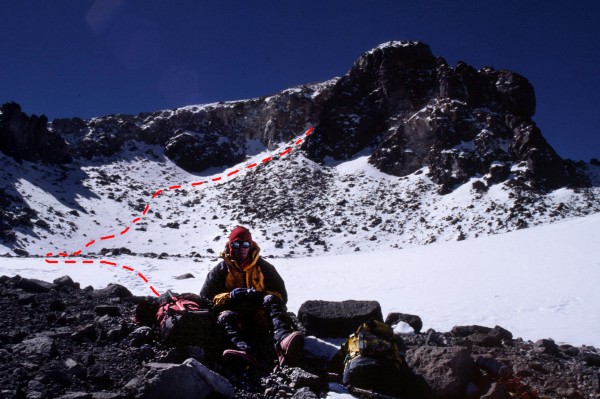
[[142, 277], [105, 262], [156, 194]]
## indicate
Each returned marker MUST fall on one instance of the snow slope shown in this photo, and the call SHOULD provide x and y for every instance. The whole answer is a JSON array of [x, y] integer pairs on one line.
[[539, 282]]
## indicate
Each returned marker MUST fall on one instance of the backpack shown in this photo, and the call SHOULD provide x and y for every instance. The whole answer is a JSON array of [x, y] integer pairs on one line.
[[373, 359], [186, 320]]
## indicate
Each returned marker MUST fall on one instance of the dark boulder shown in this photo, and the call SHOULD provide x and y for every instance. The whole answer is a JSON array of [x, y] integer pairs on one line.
[[66, 281], [113, 291], [191, 379], [547, 346], [34, 285], [448, 371], [412, 320], [337, 319]]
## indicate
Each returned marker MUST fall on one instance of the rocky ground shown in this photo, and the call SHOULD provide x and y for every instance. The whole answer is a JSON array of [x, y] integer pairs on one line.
[[58, 340]]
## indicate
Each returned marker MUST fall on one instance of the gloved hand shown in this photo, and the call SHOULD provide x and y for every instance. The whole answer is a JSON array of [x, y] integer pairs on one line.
[[239, 293], [246, 293]]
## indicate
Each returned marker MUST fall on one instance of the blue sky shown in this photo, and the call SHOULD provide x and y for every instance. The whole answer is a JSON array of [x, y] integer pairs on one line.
[[89, 58]]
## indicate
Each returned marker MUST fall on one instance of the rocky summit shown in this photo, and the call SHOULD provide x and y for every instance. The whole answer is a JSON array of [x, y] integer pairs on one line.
[[58, 340]]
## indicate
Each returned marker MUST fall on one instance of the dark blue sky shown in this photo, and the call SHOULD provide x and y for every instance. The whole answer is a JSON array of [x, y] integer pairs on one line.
[[89, 58]]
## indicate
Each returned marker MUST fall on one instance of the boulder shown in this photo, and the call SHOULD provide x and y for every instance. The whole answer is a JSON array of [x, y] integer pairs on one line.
[[447, 370], [66, 281], [141, 335], [305, 393], [483, 336], [547, 346], [113, 291], [465, 331], [34, 285], [185, 276], [189, 380], [303, 379], [44, 346], [412, 320], [327, 319]]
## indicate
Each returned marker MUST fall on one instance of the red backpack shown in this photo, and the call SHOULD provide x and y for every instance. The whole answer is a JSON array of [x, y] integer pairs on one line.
[[186, 321]]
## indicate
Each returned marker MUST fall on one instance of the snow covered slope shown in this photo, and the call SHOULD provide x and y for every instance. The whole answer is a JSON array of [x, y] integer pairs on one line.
[[295, 206], [539, 282]]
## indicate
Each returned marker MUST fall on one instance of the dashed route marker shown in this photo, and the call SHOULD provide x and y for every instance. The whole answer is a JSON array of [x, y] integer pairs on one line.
[[156, 194]]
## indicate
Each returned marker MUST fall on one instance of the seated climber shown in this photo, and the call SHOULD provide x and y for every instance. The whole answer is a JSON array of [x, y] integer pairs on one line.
[[249, 294]]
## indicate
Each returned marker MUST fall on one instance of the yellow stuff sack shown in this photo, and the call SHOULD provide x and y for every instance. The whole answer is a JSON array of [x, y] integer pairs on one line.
[[373, 339]]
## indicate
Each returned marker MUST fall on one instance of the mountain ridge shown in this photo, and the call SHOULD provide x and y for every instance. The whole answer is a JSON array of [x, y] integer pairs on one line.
[[439, 153]]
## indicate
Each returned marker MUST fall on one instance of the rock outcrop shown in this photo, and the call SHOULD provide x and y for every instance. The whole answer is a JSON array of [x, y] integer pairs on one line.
[[28, 138]]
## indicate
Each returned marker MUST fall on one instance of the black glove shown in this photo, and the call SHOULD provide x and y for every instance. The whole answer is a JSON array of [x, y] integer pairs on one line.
[[246, 293]]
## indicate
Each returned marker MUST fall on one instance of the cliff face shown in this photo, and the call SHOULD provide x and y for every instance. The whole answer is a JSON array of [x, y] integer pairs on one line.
[[28, 138], [414, 110]]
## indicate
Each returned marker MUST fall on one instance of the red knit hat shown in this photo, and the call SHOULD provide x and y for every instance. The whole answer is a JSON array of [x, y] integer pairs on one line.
[[240, 233]]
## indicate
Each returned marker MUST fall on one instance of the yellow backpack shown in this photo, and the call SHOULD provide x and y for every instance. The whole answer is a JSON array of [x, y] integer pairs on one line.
[[375, 340]]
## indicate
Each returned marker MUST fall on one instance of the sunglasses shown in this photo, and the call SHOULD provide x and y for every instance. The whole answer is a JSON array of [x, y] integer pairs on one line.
[[240, 244]]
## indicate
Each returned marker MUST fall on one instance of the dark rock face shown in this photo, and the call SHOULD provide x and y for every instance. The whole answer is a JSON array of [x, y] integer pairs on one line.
[[196, 152], [27, 137], [415, 110], [14, 212]]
